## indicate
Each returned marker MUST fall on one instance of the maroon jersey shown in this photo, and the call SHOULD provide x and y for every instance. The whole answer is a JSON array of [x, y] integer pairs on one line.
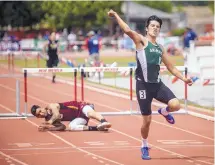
[[72, 109]]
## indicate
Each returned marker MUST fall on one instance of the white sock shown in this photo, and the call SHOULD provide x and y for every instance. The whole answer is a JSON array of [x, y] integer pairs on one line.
[[164, 111], [144, 143]]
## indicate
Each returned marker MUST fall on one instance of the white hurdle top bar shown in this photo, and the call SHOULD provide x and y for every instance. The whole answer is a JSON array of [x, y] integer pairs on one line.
[[88, 69], [49, 70]]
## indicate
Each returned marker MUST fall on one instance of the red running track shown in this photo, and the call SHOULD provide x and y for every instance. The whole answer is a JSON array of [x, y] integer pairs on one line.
[[189, 142]]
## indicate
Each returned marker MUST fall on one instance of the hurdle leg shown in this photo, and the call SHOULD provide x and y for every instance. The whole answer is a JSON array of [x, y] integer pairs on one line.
[[12, 63], [25, 91], [131, 90], [75, 84], [8, 60], [82, 85], [38, 60], [185, 90], [17, 97]]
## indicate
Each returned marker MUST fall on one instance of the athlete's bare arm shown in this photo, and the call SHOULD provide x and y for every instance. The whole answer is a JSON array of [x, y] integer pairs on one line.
[[45, 48], [56, 126], [54, 108], [58, 48], [138, 39], [172, 69]]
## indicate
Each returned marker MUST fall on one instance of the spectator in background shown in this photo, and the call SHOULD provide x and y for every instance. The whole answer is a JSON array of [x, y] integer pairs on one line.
[[71, 39], [93, 47], [52, 49], [189, 35], [80, 40], [64, 34], [46, 35]]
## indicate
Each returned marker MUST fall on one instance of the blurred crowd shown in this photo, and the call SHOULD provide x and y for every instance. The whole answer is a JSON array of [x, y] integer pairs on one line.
[[75, 40]]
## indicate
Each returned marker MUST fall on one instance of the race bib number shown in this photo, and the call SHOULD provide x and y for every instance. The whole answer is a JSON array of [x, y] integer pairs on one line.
[[142, 94]]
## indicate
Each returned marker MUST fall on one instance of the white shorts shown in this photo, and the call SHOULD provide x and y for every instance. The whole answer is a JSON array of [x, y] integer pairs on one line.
[[86, 109], [78, 123]]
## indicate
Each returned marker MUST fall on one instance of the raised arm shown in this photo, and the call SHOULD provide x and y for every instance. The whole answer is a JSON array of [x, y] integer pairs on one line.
[[172, 69], [137, 38]]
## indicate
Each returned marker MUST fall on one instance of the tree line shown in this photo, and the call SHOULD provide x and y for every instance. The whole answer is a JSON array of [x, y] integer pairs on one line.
[[60, 14]]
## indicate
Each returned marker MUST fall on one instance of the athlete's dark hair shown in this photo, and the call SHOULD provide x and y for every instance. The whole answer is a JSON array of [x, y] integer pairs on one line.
[[153, 18], [34, 108]]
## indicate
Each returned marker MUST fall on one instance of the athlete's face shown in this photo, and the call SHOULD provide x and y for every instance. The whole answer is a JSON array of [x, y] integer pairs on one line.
[[153, 29], [41, 112], [53, 36]]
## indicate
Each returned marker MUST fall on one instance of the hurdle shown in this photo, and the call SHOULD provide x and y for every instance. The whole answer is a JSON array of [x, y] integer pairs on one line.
[[82, 70], [35, 71], [11, 55], [16, 114]]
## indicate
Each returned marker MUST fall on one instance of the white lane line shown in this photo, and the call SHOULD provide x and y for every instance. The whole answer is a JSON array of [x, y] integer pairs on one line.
[[94, 143], [74, 146], [113, 130], [58, 137], [157, 122], [6, 108], [191, 161], [162, 149], [100, 161], [106, 147], [12, 158]]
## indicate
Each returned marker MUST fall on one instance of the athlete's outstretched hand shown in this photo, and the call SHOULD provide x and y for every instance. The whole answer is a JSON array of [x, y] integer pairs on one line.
[[111, 13], [189, 81], [43, 128]]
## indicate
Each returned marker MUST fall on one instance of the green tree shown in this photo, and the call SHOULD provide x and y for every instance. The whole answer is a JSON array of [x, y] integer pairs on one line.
[[21, 13], [165, 6], [77, 13], [211, 5]]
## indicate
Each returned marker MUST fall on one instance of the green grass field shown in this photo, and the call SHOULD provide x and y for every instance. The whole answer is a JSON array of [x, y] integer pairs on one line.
[[121, 61]]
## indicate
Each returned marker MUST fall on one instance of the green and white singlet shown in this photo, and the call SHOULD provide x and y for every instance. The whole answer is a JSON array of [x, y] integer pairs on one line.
[[148, 63]]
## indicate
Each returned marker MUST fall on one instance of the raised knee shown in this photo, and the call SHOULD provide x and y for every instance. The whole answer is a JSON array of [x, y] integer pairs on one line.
[[174, 105], [90, 114]]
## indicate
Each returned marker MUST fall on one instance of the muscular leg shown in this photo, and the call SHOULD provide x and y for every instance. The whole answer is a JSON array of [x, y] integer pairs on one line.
[[166, 96], [94, 115], [144, 98], [145, 129], [90, 113], [145, 126], [55, 64], [174, 105], [78, 124]]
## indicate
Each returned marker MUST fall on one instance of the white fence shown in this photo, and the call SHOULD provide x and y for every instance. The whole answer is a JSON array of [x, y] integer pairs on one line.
[[200, 61]]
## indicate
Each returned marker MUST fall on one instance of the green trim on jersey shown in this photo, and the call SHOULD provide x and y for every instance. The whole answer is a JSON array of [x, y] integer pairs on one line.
[[149, 60]]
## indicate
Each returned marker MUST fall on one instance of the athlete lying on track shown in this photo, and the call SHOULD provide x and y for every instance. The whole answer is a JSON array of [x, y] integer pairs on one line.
[[78, 113]]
